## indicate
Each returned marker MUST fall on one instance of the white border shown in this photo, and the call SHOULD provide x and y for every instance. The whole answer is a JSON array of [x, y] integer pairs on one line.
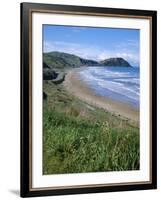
[[39, 180]]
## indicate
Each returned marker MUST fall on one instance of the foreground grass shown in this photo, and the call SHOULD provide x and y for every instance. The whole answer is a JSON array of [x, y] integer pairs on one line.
[[80, 138]]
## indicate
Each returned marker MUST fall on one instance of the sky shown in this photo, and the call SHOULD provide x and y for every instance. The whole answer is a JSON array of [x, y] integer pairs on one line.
[[93, 43]]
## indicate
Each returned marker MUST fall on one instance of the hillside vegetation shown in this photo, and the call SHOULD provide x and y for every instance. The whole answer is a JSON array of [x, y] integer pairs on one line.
[[115, 62], [78, 137], [62, 60]]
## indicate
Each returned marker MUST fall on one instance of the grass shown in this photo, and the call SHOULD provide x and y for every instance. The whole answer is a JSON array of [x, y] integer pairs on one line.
[[78, 137]]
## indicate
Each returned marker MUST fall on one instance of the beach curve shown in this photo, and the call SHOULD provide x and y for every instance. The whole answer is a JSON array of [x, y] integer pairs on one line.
[[78, 88]]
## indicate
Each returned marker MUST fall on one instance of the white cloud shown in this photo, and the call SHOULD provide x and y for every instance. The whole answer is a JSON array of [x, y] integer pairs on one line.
[[88, 52], [92, 52], [133, 43], [128, 44], [129, 56], [104, 55], [78, 29]]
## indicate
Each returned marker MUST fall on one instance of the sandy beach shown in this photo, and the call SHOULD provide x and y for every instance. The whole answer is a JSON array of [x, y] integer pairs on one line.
[[79, 89]]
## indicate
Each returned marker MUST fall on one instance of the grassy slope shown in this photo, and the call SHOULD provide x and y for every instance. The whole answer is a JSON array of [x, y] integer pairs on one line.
[[61, 60], [81, 138]]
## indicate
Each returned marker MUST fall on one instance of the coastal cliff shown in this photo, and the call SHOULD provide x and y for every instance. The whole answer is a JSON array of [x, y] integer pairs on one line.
[[62, 60], [115, 62]]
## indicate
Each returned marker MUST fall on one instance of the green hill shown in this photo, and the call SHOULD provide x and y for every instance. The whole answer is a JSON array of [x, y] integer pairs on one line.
[[60, 60], [64, 60], [115, 62]]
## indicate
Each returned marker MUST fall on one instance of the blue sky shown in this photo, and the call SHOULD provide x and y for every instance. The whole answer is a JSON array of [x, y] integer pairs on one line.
[[93, 43]]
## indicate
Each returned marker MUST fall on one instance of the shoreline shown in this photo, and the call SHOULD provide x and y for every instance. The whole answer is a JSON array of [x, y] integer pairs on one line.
[[78, 88]]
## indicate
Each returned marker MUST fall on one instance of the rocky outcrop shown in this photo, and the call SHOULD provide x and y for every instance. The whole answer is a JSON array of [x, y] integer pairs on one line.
[[49, 74], [119, 62]]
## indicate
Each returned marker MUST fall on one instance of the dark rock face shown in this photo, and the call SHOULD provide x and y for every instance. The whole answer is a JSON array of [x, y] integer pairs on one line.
[[88, 62], [49, 74], [45, 96], [45, 66], [59, 79], [115, 62]]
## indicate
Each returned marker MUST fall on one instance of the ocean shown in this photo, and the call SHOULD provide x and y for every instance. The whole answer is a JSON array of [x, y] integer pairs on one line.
[[117, 83]]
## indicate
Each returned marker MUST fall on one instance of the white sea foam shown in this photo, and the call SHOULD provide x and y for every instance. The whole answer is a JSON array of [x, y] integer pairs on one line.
[[119, 83]]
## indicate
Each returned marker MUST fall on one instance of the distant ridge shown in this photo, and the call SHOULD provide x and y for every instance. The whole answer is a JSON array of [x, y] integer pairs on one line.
[[115, 62], [63, 60]]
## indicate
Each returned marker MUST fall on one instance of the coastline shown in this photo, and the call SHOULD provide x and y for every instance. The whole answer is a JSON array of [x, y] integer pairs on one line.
[[78, 88]]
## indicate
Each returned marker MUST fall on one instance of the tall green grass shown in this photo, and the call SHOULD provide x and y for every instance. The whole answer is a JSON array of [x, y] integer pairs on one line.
[[74, 143]]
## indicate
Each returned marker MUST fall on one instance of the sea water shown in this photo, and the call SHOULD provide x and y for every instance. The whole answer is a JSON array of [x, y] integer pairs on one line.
[[117, 83]]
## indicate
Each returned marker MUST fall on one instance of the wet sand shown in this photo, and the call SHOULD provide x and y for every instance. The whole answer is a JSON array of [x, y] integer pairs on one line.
[[78, 88]]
